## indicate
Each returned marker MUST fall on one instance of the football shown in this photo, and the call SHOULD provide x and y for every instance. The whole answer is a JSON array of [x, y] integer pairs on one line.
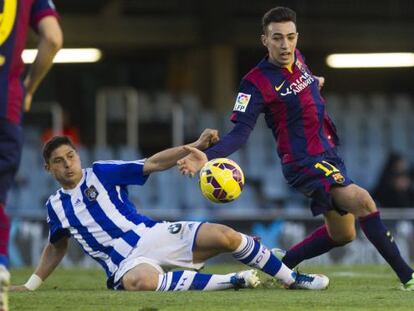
[[221, 180]]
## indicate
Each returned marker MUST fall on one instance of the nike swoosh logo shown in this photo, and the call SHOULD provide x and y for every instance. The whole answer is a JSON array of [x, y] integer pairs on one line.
[[277, 88]]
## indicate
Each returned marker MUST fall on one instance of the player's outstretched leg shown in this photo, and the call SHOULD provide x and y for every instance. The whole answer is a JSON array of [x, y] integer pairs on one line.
[[317, 243], [213, 239], [358, 201], [338, 231], [145, 277], [190, 280], [254, 254], [383, 241]]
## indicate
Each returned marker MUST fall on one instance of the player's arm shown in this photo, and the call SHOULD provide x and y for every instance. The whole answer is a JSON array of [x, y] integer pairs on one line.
[[50, 41], [248, 106], [51, 256], [168, 158], [232, 142]]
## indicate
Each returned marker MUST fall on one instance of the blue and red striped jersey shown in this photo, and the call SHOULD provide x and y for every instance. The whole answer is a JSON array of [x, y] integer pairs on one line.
[[15, 18], [293, 107]]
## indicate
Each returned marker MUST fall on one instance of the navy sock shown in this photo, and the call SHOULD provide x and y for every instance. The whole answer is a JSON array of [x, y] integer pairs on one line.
[[315, 244], [383, 241]]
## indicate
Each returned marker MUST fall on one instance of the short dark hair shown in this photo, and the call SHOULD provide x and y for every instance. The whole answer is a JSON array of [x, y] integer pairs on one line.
[[54, 143], [277, 15]]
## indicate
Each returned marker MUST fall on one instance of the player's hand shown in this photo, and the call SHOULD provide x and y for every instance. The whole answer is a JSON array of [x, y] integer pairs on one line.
[[321, 82], [207, 138], [18, 288], [193, 162], [27, 102]]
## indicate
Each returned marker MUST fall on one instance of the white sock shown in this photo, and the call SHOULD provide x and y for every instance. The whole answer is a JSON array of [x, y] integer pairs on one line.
[[191, 280]]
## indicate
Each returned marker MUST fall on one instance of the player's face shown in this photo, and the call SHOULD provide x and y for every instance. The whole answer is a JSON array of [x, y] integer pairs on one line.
[[65, 166], [280, 40]]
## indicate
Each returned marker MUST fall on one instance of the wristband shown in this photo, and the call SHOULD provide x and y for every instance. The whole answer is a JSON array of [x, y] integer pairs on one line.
[[34, 282]]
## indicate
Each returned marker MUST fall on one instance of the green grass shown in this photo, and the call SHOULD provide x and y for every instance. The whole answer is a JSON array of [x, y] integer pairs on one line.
[[352, 288]]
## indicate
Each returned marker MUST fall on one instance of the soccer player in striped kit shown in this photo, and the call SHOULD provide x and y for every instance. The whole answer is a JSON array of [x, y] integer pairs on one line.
[[16, 17], [135, 251], [283, 88]]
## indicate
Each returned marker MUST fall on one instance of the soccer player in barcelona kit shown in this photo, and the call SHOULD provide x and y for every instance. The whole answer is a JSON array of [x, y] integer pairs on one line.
[[283, 88], [135, 251], [15, 18]]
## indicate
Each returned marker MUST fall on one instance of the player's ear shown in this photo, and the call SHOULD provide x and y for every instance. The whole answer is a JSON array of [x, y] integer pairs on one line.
[[46, 166], [264, 40]]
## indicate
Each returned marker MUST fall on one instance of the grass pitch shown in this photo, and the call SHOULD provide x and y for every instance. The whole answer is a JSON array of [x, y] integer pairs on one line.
[[351, 288]]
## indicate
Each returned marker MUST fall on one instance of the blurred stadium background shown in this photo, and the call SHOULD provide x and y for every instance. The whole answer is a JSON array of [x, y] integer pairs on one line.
[[170, 68]]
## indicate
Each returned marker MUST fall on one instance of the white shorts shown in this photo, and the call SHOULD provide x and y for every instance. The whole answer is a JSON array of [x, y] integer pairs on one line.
[[166, 246]]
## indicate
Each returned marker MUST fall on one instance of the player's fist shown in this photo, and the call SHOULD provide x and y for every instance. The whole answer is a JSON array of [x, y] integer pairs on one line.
[[321, 81], [207, 138]]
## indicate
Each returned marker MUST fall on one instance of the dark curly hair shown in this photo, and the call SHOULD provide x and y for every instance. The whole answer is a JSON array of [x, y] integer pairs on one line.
[[53, 144]]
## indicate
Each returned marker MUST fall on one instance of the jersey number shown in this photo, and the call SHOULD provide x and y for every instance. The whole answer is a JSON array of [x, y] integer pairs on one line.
[[7, 18], [326, 167]]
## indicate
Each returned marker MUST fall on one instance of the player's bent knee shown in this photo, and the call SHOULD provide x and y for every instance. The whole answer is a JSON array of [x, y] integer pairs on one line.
[[230, 239], [136, 283], [140, 278], [345, 237], [366, 202]]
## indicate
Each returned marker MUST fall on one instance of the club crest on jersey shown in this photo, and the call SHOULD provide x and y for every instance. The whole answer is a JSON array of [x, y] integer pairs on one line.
[[91, 193], [174, 228], [338, 178], [242, 101]]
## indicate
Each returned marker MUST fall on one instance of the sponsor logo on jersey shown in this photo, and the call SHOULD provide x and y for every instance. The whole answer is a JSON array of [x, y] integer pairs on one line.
[[277, 88], [242, 101], [174, 228], [91, 193], [298, 85]]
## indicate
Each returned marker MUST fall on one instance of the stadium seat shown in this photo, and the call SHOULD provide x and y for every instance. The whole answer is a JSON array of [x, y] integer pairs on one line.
[[128, 153], [103, 153]]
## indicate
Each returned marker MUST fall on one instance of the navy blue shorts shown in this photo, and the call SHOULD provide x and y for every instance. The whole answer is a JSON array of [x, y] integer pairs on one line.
[[11, 141], [315, 176]]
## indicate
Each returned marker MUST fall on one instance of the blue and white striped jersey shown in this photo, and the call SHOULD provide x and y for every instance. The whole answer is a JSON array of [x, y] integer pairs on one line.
[[98, 213]]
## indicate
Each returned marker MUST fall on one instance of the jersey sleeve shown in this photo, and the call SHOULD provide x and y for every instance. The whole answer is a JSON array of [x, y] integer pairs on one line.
[[56, 231], [120, 172], [249, 104], [41, 9]]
